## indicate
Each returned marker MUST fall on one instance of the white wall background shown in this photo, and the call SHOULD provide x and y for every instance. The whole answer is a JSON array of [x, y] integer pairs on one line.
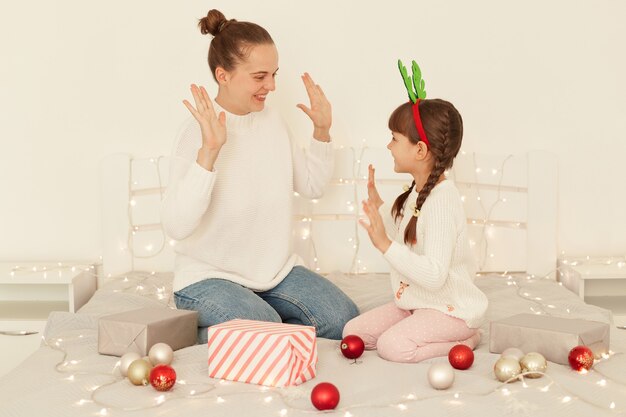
[[83, 79]]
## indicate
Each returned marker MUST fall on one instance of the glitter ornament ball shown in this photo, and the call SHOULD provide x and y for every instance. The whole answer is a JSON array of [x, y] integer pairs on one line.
[[580, 358], [514, 352], [162, 377], [325, 396], [506, 368], [461, 357], [161, 353], [352, 346], [139, 372], [440, 375], [126, 360], [534, 363]]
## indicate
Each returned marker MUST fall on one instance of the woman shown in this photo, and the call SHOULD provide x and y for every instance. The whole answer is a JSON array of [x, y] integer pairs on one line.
[[229, 201]]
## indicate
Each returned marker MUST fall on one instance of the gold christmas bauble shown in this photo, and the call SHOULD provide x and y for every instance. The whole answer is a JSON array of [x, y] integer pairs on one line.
[[506, 368], [534, 363], [139, 372]]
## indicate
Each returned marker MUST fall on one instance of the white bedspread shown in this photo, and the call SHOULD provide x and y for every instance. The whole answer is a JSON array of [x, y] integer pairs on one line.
[[67, 377]]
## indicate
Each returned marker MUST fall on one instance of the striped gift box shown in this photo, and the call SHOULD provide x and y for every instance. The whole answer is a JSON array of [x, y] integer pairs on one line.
[[264, 353]]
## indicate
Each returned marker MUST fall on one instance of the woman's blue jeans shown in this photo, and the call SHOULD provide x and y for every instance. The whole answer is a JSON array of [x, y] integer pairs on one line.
[[303, 297]]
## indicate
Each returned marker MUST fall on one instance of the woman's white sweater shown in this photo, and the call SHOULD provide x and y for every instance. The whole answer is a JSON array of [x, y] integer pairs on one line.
[[235, 222]]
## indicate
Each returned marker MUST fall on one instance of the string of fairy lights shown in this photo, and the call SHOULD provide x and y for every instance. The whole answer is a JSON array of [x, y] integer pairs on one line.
[[307, 221], [141, 283], [103, 398], [358, 180]]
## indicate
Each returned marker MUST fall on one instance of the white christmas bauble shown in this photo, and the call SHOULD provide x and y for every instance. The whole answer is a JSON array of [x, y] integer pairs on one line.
[[512, 352], [161, 354], [126, 360], [441, 375]]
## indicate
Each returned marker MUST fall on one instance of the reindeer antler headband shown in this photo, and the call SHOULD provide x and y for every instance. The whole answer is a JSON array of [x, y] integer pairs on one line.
[[415, 96]]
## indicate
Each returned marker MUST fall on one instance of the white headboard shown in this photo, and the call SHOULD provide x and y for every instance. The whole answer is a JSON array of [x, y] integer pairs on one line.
[[510, 201]]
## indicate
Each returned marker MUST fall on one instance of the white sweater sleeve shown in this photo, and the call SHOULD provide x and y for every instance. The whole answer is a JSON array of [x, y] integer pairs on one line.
[[388, 221], [312, 168], [189, 186], [187, 197], [430, 270]]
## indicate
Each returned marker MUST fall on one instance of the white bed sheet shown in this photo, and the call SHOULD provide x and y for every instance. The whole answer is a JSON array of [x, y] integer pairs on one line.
[[67, 377]]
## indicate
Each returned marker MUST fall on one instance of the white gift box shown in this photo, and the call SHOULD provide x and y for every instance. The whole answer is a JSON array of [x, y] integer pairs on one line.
[[553, 337]]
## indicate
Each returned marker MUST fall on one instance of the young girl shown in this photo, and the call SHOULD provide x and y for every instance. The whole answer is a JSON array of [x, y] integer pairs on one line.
[[423, 236], [228, 204]]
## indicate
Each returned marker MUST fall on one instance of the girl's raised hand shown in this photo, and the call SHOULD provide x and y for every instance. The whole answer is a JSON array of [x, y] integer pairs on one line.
[[213, 127], [320, 111], [375, 228], [372, 192]]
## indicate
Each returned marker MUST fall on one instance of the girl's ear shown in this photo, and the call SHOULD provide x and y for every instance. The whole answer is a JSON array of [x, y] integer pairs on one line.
[[422, 151], [221, 75]]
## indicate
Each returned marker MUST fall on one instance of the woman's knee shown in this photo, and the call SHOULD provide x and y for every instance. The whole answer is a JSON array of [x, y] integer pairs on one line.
[[229, 302], [305, 297]]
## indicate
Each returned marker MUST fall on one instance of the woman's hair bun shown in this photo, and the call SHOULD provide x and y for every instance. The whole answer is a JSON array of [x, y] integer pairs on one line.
[[212, 23]]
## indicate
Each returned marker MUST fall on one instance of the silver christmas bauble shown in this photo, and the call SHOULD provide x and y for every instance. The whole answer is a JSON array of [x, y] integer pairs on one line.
[[161, 354], [534, 363], [512, 352], [506, 368], [441, 375], [126, 360]]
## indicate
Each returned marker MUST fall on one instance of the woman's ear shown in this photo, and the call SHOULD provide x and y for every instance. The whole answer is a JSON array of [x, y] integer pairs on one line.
[[221, 75]]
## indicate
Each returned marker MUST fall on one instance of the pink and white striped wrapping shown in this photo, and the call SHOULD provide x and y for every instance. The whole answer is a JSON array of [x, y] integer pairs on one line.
[[264, 353]]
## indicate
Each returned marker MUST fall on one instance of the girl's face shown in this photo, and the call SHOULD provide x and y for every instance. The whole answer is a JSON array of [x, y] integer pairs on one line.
[[247, 86], [404, 153]]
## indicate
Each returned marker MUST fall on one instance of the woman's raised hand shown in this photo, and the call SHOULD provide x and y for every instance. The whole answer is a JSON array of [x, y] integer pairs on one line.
[[320, 111], [372, 192], [213, 127]]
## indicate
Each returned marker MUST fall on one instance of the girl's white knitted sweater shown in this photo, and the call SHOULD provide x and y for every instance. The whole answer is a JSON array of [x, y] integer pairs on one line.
[[437, 272], [235, 222]]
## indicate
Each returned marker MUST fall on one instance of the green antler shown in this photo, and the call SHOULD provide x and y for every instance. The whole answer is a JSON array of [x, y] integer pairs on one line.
[[418, 83], [407, 82]]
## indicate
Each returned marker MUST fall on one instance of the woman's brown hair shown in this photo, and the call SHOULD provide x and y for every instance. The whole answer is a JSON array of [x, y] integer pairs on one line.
[[232, 40], [444, 128]]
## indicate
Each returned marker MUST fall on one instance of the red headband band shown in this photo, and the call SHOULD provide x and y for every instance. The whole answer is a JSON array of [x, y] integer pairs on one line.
[[418, 123]]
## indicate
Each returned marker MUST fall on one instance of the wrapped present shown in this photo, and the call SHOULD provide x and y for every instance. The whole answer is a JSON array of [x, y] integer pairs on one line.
[[264, 353], [553, 337], [138, 330]]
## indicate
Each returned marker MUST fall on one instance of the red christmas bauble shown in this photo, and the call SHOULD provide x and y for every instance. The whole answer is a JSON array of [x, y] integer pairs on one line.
[[580, 357], [352, 346], [325, 396], [162, 377], [461, 357]]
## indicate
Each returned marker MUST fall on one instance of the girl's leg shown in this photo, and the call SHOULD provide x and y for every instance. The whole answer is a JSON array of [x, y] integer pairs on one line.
[[371, 324], [305, 297], [218, 300], [425, 334]]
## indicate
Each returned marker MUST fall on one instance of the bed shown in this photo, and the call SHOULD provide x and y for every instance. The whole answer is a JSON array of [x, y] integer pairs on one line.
[[511, 205]]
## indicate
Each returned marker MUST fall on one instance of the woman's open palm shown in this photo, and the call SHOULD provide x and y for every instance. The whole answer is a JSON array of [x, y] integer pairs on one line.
[[320, 110], [213, 127]]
